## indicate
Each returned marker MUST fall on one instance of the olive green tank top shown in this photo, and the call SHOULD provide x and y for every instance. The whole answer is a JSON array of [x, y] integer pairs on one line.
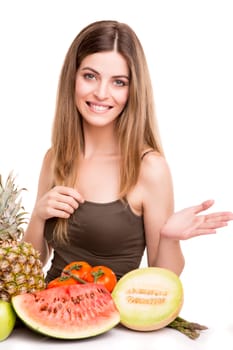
[[107, 234]]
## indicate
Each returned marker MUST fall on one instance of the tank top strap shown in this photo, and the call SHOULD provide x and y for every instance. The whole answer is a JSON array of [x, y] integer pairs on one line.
[[146, 152]]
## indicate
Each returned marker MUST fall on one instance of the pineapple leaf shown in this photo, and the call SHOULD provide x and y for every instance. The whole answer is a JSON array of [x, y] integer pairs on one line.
[[12, 213]]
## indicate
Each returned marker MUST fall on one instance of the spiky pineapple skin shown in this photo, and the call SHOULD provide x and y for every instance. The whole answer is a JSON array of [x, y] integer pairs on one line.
[[21, 270]]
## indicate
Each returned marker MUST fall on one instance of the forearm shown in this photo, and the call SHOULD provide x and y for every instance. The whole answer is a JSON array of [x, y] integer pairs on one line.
[[170, 255], [35, 235]]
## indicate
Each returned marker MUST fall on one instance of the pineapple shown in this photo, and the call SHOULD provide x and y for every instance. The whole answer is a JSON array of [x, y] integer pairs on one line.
[[21, 270]]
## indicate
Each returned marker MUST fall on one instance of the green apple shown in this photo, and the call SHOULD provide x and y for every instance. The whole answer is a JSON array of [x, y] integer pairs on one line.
[[7, 319]]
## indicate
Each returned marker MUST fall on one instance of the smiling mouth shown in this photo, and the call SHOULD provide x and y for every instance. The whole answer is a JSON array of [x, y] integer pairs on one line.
[[98, 107]]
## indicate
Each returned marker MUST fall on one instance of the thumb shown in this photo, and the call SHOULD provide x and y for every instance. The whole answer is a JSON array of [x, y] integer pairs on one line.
[[203, 206]]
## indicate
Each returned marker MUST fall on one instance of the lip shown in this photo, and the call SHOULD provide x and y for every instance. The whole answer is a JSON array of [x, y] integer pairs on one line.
[[98, 107]]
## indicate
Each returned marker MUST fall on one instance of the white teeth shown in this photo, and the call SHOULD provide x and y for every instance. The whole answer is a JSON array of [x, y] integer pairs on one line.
[[99, 108]]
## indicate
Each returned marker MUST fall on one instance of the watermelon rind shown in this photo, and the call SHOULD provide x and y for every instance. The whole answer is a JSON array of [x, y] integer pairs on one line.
[[68, 312], [148, 298]]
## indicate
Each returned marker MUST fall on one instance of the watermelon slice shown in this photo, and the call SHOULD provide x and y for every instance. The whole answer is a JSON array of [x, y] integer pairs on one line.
[[148, 298], [68, 312]]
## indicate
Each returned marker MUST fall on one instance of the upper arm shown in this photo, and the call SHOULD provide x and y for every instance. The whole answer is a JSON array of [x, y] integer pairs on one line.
[[34, 231], [46, 175], [158, 206], [158, 201]]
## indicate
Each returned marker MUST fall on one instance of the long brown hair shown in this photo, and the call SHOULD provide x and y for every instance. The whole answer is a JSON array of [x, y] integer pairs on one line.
[[136, 127]]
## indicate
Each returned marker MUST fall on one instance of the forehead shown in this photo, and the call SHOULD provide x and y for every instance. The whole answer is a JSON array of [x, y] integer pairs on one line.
[[110, 62]]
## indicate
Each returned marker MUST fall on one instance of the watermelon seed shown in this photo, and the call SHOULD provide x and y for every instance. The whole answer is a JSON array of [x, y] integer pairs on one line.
[[92, 295], [44, 307], [59, 306]]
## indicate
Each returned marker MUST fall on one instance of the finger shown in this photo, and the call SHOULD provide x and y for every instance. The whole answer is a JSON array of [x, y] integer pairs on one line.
[[60, 214], [54, 212], [203, 206], [76, 195], [200, 232], [69, 191], [69, 201], [220, 216], [61, 206], [214, 224], [204, 228]]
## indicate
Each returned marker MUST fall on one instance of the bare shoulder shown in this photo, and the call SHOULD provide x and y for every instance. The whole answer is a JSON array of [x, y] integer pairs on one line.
[[46, 169], [48, 157], [154, 168]]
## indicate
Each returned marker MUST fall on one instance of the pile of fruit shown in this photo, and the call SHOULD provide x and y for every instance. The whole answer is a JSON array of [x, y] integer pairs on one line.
[[83, 301], [80, 272]]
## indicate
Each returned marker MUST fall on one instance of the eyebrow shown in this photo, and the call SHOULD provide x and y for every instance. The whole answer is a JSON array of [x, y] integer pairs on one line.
[[114, 76]]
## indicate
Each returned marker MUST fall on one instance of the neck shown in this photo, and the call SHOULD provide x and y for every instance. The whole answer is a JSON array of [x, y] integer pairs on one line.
[[100, 141]]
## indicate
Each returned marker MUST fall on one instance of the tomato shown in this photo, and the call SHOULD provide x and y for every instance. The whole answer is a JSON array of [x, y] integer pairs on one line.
[[78, 270], [82, 272], [102, 275], [61, 281]]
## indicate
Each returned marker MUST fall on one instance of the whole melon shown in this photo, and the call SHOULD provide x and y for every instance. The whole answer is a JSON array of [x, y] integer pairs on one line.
[[148, 298], [69, 311]]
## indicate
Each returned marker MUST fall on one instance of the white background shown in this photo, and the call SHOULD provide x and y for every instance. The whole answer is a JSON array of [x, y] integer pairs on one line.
[[188, 45]]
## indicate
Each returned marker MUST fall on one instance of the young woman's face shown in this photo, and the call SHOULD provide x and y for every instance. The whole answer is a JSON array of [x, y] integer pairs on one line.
[[102, 87]]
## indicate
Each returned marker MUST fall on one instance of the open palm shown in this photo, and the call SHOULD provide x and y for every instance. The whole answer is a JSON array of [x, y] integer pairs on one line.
[[186, 224]]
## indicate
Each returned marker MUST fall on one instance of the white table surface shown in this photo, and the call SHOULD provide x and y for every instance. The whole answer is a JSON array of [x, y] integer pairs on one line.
[[121, 338]]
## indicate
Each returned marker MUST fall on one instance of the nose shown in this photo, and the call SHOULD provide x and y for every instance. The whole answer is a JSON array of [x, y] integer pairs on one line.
[[101, 90]]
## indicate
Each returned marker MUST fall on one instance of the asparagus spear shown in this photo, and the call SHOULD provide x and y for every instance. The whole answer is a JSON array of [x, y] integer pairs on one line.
[[190, 329]]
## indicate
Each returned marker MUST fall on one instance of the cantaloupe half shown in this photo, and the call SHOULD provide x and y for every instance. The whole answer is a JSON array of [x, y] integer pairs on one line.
[[148, 298]]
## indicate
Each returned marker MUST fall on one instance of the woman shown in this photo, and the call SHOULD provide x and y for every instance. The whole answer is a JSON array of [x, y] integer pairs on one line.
[[105, 190]]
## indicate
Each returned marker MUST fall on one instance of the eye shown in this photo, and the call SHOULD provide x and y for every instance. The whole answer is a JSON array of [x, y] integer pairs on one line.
[[89, 76], [120, 82]]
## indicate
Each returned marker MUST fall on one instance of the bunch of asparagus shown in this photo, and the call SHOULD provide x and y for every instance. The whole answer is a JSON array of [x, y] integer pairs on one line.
[[190, 329]]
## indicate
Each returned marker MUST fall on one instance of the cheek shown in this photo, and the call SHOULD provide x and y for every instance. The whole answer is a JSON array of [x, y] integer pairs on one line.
[[82, 88], [122, 97], [80, 94]]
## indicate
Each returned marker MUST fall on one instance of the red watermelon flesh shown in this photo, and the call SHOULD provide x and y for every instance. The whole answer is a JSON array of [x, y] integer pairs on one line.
[[68, 312]]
